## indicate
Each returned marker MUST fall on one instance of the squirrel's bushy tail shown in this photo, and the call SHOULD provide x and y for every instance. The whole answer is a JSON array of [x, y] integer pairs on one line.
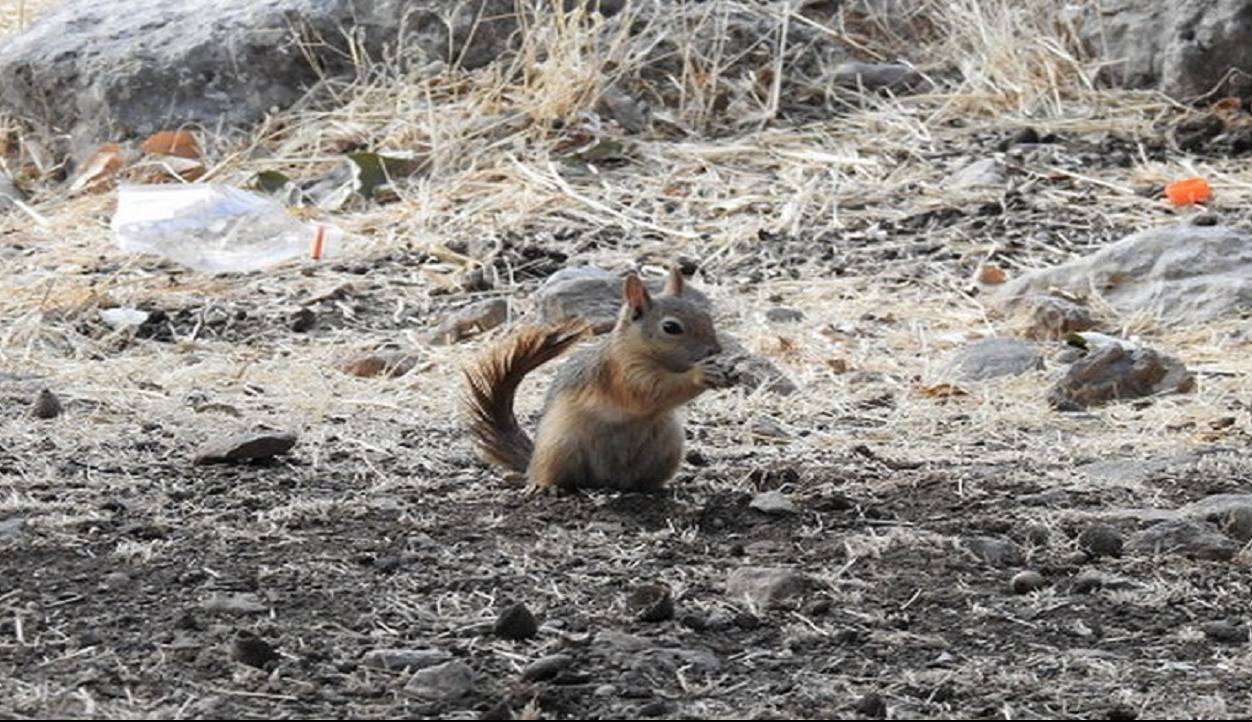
[[493, 383]]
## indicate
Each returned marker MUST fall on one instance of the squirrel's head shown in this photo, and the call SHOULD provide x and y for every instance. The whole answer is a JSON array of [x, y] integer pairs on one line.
[[669, 329]]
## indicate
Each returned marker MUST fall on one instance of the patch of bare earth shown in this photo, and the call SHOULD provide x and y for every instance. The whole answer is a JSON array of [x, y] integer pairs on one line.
[[133, 582]]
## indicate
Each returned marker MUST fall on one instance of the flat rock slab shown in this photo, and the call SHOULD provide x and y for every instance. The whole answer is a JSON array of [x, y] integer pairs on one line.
[[994, 357], [1182, 274], [766, 586], [246, 447]]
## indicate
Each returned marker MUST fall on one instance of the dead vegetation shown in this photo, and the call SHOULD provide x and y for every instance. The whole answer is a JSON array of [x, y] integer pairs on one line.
[[383, 531]]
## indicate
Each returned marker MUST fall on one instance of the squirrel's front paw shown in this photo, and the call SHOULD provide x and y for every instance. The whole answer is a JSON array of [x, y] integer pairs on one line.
[[713, 375]]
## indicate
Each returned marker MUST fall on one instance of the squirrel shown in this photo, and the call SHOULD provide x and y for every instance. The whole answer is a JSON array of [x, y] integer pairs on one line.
[[610, 417]]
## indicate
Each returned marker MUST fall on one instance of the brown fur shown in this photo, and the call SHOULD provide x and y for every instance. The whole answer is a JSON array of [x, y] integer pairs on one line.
[[493, 383]]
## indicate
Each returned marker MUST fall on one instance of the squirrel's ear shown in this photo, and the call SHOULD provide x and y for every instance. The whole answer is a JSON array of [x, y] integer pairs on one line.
[[674, 284], [636, 296]]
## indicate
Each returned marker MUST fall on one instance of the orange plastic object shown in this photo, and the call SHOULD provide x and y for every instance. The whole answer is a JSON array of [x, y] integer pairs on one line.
[[1188, 191]]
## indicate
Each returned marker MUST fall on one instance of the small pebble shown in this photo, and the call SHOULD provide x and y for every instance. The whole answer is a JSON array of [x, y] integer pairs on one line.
[[1226, 632], [1101, 540], [46, 405], [546, 667], [247, 648], [516, 622], [651, 603], [1027, 581], [779, 314]]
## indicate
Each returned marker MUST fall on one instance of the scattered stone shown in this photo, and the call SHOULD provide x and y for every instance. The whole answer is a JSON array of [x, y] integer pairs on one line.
[[449, 680], [1186, 49], [516, 622], [594, 294], [1226, 632], [247, 648], [1191, 539], [984, 173], [605, 690], [875, 76], [234, 604], [392, 364], [778, 314], [11, 527], [1113, 371], [546, 667], [471, 320], [303, 320], [1027, 581], [651, 603], [1101, 540], [246, 447], [995, 357], [1052, 317], [46, 405], [772, 502], [1087, 581], [872, 705], [765, 586], [630, 112], [1232, 513], [768, 428], [997, 552], [397, 659], [751, 371], [1182, 274]]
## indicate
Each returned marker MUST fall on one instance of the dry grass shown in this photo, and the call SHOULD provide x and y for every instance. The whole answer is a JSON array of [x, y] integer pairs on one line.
[[18, 14]]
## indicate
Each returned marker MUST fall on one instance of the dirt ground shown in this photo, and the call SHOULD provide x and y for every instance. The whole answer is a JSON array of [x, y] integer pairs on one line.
[[136, 583]]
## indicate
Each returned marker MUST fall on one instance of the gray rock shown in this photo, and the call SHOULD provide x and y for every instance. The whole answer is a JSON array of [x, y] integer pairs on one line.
[[772, 502], [875, 76], [471, 320], [995, 357], [1182, 48], [595, 294], [1114, 372], [443, 681], [546, 667], [1026, 582], [11, 527], [984, 173], [1101, 540], [631, 113], [1182, 274], [1225, 632], [781, 314], [405, 658], [1052, 317], [234, 604], [1191, 539], [105, 69], [246, 447], [997, 552], [516, 622], [46, 405], [1232, 513], [766, 586]]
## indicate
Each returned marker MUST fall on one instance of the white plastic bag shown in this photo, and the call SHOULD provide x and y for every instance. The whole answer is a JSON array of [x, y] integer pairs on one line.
[[216, 228]]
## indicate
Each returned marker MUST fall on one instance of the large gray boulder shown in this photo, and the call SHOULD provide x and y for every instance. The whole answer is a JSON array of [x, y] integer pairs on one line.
[[1183, 47], [109, 69], [1181, 273]]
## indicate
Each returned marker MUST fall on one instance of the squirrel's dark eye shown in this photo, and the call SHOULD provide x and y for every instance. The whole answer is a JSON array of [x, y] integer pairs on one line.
[[672, 327]]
